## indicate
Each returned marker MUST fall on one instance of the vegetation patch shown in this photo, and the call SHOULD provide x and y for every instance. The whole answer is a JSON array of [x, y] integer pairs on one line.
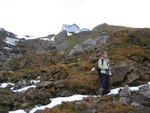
[[84, 80], [67, 107], [111, 107]]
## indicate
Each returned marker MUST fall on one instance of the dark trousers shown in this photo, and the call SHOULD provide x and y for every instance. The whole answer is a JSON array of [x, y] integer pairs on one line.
[[104, 83]]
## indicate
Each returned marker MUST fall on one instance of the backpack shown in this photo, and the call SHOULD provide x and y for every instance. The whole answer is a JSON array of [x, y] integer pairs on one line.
[[98, 69]]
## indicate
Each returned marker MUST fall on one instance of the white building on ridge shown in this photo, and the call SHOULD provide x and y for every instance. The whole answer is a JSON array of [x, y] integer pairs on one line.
[[73, 28]]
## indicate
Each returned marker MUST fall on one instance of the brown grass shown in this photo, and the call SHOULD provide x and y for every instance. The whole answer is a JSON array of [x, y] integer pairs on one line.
[[67, 107], [83, 80], [110, 107]]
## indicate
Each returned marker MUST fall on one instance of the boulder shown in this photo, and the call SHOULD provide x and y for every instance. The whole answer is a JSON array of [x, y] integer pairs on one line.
[[125, 94], [45, 84], [123, 73], [64, 93], [59, 83], [145, 95], [60, 37], [88, 44]]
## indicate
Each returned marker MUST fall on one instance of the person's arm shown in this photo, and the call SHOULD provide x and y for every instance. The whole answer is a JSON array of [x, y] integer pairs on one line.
[[110, 73]]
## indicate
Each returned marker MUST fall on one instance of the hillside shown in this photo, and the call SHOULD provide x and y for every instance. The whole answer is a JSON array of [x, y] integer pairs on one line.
[[63, 67]]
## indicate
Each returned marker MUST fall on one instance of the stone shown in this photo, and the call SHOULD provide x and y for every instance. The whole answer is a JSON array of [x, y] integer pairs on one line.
[[82, 91], [64, 93], [126, 100], [59, 83], [134, 104], [44, 84], [125, 92], [60, 37]]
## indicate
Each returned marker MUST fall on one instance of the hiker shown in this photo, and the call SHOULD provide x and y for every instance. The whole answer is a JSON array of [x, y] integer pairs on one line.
[[104, 73]]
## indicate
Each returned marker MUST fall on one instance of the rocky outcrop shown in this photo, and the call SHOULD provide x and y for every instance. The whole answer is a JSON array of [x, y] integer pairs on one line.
[[4, 34], [36, 59], [59, 38], [6, 47], [100, 26], [138, 99], [128, 73], [89, 44]]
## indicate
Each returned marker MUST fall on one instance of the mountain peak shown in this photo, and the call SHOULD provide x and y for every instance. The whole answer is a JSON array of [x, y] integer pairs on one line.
[[100, 26]]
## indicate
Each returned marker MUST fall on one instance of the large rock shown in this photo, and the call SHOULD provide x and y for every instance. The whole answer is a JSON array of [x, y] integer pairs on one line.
[[124, 73], [125, 94], [45, 84], [89, 44], [60, 37], [145, 94], [60, 42]]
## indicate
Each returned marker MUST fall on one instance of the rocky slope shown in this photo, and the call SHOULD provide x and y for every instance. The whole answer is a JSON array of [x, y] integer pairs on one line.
[[63, 68], [126, 101], [7, 42]]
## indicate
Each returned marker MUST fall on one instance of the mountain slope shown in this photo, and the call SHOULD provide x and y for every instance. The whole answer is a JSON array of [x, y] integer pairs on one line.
[[65, 75]]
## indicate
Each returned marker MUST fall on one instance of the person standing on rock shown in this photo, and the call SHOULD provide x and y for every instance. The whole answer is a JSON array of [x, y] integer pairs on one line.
[[104, 73]]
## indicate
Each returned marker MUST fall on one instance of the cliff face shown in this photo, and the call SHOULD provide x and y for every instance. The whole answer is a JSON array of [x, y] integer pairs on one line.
[[64, 65]]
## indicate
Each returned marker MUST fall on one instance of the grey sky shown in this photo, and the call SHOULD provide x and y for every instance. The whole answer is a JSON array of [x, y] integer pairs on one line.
[[44, 17]]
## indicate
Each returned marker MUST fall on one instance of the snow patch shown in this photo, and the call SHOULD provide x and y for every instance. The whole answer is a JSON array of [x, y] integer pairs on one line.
[[23, 89], [48, 39], [7, 48], [18, 111], [4, 85], [11, 41], [26, 37]]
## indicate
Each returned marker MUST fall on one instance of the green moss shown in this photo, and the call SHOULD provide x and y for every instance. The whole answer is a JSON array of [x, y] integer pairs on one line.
[[72, 41], [14, 61], [93, 34]]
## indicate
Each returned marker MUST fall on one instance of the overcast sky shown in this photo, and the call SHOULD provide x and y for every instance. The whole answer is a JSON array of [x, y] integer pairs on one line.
[[44, 17]]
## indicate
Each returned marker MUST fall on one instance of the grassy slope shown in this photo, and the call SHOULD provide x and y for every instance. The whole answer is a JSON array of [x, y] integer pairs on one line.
[[130, 46]]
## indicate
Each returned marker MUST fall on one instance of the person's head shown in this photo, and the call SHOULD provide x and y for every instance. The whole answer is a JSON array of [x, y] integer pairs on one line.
[[104, 54]]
